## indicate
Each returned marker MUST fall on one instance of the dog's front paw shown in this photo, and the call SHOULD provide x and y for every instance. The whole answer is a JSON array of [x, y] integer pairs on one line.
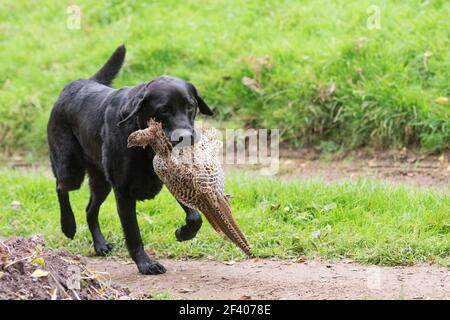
[[151, 268], [184, 234], [103, 248]]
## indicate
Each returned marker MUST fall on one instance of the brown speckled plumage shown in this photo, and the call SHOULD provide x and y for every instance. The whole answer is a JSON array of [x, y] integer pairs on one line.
[[194, 175]]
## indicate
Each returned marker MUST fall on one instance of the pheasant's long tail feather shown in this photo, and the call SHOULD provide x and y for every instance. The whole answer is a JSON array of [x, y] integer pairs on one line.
[[214, 224], [218, 213]]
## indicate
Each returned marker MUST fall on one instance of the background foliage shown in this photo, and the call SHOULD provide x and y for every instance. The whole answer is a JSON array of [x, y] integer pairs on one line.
[[320, 75]]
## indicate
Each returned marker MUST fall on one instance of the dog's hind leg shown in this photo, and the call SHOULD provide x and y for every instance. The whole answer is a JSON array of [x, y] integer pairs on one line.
[[63, 186], [66, 156], [100, 188], [68, 223]]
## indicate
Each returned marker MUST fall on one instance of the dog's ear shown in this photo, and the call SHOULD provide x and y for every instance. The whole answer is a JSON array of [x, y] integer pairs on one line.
[[134, 105], [202, 106]]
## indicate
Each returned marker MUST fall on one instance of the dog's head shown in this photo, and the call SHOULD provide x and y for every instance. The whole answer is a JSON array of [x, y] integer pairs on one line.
[[171, 101]]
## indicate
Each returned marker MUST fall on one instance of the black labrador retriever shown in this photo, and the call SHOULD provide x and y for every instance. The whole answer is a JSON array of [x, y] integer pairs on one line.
[[87, 132]]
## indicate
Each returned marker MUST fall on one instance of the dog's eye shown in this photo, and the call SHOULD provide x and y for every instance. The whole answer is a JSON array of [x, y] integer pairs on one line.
[[190, 108]]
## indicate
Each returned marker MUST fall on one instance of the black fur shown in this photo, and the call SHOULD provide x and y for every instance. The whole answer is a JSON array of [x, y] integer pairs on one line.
[[87, 133], [111, 68]]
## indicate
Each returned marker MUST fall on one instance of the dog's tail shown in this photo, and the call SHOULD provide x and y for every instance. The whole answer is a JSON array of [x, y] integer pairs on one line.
[[111, 68]]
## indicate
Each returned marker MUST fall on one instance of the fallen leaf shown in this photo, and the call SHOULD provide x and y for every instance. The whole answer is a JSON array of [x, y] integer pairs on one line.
[[332, 88], [185, 290], [252, 84], [264, 61], [245, 297], [258, 65], [39, 273], [315, 234], [427, 54], [4, 255], [403, 153], [441, 100], [53, 293], [16, 205], [274, 205], [152, 252], [40, 261], [2, 274], [347, 261], [148, 219], [372, 162], [301, 259], [329, 206], [229, 263], [70, 261], [361, 43]]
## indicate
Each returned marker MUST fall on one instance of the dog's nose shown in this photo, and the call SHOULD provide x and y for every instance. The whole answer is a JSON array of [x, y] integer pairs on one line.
[[184, 137]]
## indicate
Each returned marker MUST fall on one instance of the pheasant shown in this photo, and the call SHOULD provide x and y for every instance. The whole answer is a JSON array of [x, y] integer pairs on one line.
[[194, 175]]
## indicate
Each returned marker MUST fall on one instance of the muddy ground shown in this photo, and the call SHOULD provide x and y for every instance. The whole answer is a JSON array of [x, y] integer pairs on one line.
[[402, 167], [280, 279], [398, 167]]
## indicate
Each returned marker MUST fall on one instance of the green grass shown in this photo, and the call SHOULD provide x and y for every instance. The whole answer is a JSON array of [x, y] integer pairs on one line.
[[163, 295], [370, 222], [385, 88]]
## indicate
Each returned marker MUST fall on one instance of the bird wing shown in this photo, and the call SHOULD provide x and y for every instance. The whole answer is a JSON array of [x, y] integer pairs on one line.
[[208, 169]]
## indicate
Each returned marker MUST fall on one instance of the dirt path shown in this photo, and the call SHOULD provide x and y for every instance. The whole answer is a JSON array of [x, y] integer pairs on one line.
[[281, 279], [398, 167]]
